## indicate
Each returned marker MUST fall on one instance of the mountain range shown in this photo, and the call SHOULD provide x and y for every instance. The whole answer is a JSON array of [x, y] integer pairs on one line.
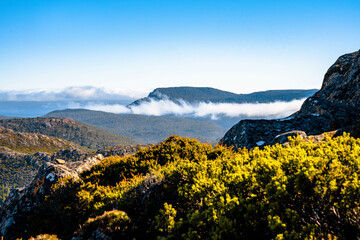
[[222, 107], [206, 94]]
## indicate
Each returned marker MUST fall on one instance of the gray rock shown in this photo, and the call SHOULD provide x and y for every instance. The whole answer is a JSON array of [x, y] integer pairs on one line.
[[283, 137], [22, 203], [335, 107]]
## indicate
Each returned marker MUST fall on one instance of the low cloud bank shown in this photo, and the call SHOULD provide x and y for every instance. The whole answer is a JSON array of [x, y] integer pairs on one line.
[[71, 93], [202, 109]]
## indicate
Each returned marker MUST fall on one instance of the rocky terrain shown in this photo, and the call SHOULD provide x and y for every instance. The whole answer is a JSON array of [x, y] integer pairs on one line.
[[22, 154], [335, 107], [25, 202], [68, 129], [18, 169]]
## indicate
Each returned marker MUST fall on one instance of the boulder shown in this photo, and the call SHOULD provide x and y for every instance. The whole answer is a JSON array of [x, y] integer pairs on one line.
[[335, 107], [25, 202]]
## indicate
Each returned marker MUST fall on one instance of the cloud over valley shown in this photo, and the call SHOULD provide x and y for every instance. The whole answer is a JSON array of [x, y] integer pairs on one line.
[[204, 109]]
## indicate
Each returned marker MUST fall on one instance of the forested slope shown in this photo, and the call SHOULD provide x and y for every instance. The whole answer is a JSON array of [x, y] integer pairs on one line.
[[68, 129], [145, 129]]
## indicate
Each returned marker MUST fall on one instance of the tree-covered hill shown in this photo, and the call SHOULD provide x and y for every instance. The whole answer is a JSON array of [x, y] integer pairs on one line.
[[67, 129], [29, 143], [182, 189], [145, 129]]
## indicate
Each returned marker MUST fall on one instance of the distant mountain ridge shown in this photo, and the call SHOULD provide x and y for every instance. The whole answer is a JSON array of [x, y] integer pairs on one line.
[[206, 94], [4, 117], [145, 129], [68, 129]]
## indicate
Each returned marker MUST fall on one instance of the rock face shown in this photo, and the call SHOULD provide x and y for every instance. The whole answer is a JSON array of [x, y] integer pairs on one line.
[[26, 202], [120, 150], [20, 207], [335, 107], [17, 169]]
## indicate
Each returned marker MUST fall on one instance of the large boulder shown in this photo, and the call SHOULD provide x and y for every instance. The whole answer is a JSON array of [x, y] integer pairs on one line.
[[335, 107]]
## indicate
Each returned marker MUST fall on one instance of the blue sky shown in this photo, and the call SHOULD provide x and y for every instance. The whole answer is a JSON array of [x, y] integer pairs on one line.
[[240, 46]]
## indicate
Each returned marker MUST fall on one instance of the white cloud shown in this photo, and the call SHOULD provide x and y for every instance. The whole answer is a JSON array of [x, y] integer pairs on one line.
[[72, 93], [113, 108], [202, 109]]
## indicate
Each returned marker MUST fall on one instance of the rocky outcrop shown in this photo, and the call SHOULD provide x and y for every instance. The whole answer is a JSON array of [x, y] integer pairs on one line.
[[121, 150], [22, 204], [335, 107], [26, 202], [18, 169]]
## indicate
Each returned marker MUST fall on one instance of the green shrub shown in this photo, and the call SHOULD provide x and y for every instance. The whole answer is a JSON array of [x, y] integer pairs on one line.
[[182, 189]]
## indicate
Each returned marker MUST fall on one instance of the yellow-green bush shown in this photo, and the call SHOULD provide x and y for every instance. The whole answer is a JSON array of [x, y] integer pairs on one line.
[[182, 189]]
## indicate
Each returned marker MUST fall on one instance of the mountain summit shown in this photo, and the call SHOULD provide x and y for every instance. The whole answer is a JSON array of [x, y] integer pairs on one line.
[[335, 107]]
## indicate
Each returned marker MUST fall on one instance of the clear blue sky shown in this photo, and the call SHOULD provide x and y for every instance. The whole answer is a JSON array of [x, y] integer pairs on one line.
[[240, 46]]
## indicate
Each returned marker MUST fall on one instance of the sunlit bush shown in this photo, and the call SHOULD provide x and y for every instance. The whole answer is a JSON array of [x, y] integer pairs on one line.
[[182, 189]]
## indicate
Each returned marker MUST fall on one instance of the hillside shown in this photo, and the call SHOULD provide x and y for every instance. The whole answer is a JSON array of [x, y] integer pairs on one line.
[[29, 143], [145, 129], [205, 94], [67, 129], [181, 189], [22, 154]]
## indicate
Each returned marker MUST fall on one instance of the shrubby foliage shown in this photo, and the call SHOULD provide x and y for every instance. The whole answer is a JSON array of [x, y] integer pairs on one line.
[[14, 173], [45, 237], [182, 189]]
